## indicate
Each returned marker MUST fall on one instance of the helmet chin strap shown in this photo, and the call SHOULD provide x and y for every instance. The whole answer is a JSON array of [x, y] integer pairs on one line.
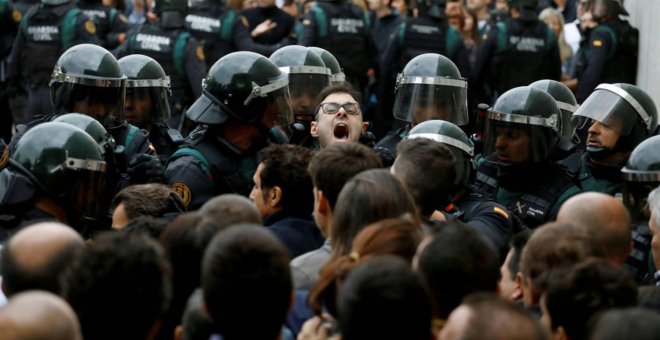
[[600, 153]]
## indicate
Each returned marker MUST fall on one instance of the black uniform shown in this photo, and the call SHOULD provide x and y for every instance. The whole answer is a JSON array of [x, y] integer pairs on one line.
[[165, 139], [45, 32], [212, 24], [180, 55], [515, 53], [9, 20], [283, 30], [109, 22]]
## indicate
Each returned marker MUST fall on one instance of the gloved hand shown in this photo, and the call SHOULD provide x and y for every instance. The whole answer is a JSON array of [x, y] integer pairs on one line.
[[145, 168]]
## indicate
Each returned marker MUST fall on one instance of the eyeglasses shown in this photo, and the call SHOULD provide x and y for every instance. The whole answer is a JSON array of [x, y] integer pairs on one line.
[[332, 108]]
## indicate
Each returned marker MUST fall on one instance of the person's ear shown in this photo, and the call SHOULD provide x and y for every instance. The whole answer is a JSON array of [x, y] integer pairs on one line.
[[178, 332], [517, 293], [314, 129], [324, 205], [365, 127], [275, 196]]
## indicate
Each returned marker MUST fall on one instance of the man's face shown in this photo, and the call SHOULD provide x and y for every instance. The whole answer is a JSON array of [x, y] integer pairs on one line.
[[338, 127], [96, 110], [477, 5], [302, 105], [265, 3], [435, 110], [259, 196], [137, 110], [601, 136], [119, 218], [512, 145], [375, 5], [507, 285], [655, 241]]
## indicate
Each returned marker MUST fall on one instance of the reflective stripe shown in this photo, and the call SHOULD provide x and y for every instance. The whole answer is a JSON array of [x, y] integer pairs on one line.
[[640, 176], [306, 69], [550, 122], [81, 164], [162, 82], [566, 106], [59, 76], [401, 79], [631, 100], [446, 140]]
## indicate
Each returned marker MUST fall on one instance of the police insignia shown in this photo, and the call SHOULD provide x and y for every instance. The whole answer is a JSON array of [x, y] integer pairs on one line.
[[199, 51], [245, 22], [89, 26], [4, 158], [183, 191], [123, 18], [501, 212], [598, 43], [16, 16]]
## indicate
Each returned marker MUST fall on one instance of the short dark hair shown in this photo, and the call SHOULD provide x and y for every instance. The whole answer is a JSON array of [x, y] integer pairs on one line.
[[228, 209], [626, 323], [338, 88], [332, 166], [428, 169], [594, 285], [458, 261], [384, 299], [246, 270], [285, 166], [517, 243], [147, 225], [152, 199], [119, 286], [196, 324]]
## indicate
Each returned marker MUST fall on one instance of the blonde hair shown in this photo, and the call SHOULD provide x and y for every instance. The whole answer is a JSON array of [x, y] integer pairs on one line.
[[564, 50]]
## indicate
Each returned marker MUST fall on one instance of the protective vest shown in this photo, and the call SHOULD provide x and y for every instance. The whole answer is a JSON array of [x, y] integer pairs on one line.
[[426, 35], [102, 16], [522, 54], [637, 263], [622, 57], [344, 31], [224, 170], [165, 139], [168, 48], [213, 26], [48, 32]]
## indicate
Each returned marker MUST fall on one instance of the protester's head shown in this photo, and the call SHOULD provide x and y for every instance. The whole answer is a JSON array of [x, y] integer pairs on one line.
[[38, 315], [195, 324], [456, 262], [484, 316], [36, 256], [384, 299], [604, 217], [339, 117], [626, 323], [428, 170], [553, 245], [369, 197], [245, 272], [576, 294], [229, 209], [282, 183], [119, 287], [146, 225], [153, 199], [510, 282]]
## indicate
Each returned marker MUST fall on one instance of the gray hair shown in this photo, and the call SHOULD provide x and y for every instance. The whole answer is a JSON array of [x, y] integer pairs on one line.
[[654, 204]]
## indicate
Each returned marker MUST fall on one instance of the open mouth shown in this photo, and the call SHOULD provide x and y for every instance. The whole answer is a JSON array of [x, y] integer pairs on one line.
[[341, 131]]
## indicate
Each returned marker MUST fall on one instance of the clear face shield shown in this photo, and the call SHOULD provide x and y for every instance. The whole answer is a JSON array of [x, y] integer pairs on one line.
[[89, 185], [611, 106], [147, 101], [419, 99], [516, 139], [305, 83], [100, 98], [278, 111]]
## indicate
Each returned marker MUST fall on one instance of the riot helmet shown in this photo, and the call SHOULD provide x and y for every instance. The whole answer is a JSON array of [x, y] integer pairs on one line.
[[244, 86], [308, 76], [566, 103], [431, 87], [66, 163], [605, 9], [148, 90], [330, 62], [641, 175], [91, 126], [431, 8], [457, 141], [526, 7], [522, 127], [88, 79], [171, 13], [624, 108]]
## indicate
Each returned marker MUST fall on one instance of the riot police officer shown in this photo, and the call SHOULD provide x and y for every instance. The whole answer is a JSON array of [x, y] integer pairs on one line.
[[611, 55], [430, 87], [147, 102], [179, 53], [308, 75], [618, 117], [56, 173], [467, 205], [211, 22], [516, 52], [111, 25], [245, 95], [522, 132], [47, 31], [9, 20]]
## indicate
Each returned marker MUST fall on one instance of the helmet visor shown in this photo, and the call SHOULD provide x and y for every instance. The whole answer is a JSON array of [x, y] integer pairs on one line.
[[105, 104], [304, 88], [418, 102], [146, 104], [279, 102], [88, 187]]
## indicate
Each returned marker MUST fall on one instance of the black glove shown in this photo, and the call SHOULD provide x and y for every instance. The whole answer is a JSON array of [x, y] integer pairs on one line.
[[145, 168]]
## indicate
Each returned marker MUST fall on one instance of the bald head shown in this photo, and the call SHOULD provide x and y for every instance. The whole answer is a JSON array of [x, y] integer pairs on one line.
[[229, 209], [35, 256], [604, 217], [36, 315]]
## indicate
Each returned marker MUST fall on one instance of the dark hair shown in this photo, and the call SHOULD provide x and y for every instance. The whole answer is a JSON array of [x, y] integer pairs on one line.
[[428, 169], [518, 242], [456, 262], [492, 317], [229, 209], [151, 199], [393, 236], [575, 295], [285, 166], [147, 225], [626, 323], [332, 166], [119, 286], [369, 197], [196, 324], [384, 299], [184, 240], [246, 270], [338, 88]]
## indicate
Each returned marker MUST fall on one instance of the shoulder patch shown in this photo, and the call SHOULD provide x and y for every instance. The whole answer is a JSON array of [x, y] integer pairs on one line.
[[245, 22], [89, 26], [16, 16], [123, 18], [598, 43], [199, 51], [183, 191], [4, 158], [501, 211]]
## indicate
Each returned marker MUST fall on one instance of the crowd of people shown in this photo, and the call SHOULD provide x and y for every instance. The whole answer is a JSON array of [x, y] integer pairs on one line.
[[329, 169]]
